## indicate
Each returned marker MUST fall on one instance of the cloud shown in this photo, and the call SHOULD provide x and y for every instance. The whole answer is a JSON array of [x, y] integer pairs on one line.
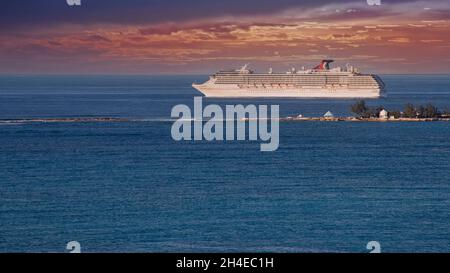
[[95, 38], [44, 12], [299, 31], [32, 13], [400, 40]]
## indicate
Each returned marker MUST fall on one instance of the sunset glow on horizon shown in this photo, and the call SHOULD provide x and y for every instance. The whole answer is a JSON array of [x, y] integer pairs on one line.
[[154, 37]]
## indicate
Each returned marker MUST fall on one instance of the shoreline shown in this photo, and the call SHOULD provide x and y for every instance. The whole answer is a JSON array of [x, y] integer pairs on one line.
[[354, 119], [63, 120], [283, 119]]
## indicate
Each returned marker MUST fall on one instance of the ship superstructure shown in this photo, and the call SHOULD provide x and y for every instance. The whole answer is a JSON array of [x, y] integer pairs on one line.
[[318, 82]]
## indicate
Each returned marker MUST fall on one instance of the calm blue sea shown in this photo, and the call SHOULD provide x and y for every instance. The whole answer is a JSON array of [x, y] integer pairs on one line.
[[128, 187]]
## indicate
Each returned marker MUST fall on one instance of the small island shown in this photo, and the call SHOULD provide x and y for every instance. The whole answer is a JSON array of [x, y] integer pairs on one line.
[[410, 113]]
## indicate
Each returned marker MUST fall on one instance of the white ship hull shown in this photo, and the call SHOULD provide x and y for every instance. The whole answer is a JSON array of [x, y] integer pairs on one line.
[[235, 91]]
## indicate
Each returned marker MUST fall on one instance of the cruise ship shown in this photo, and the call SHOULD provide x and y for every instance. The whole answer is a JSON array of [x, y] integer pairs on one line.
[[318, 82]]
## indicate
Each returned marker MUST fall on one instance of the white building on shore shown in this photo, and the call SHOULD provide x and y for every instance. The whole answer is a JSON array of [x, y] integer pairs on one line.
[[328, 115], [384, 114]]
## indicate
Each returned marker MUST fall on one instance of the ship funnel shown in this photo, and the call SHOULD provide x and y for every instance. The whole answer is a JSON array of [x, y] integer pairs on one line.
[[324, 65]]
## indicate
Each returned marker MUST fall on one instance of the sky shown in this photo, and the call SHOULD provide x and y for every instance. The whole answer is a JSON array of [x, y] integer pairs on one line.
[[201, 37]]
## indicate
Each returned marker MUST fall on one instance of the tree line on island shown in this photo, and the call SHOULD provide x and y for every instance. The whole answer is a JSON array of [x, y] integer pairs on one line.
[[361, 109]]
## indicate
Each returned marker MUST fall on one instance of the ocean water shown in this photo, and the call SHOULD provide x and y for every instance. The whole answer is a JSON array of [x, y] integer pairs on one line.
[[128, 187]]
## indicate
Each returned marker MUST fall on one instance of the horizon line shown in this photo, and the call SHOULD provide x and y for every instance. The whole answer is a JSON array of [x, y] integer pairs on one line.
[[180, 74]]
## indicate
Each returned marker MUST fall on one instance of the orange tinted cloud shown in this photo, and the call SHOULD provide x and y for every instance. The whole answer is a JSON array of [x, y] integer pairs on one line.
[[376, 40]]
